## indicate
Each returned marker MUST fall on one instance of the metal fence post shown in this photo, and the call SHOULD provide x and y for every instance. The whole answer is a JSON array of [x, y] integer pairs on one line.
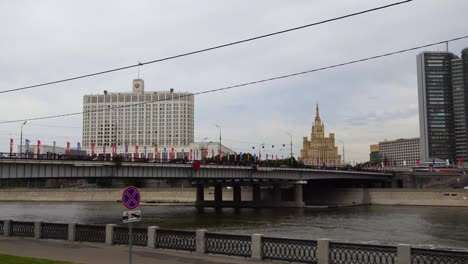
[[71, 232], [403, 254], [37, 229], [256, 246], [6, 227], [200, 241], [109, 234], [323, 249], [152, 236]]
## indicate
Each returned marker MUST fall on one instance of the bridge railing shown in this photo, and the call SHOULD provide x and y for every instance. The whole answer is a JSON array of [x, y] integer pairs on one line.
[[256, 246], [205, 162]]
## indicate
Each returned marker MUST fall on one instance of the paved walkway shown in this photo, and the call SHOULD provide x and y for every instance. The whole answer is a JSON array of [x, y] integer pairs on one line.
[[90, 253]]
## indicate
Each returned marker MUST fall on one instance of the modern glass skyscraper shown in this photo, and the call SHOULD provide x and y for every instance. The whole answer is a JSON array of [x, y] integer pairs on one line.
[[443, 105]]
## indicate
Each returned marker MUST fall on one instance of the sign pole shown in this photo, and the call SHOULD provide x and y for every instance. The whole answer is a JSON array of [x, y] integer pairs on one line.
[[131, 200], [130, 240]]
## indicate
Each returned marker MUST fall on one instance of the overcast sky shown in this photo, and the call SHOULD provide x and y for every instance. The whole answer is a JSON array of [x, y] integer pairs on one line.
[[362, 104]]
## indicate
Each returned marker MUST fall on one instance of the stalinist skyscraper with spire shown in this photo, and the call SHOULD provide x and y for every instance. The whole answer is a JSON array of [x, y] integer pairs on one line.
[[320, 150]]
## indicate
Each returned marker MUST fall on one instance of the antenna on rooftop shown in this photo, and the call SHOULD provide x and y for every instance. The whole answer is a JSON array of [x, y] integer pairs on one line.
[[139, 64]]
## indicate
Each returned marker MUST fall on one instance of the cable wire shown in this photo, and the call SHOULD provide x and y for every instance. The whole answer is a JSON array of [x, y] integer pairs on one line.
[[203, 50], [243, 84]]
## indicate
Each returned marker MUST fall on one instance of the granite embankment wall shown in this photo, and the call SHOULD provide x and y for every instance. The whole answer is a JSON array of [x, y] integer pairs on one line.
[[166, 195], [448, 197]]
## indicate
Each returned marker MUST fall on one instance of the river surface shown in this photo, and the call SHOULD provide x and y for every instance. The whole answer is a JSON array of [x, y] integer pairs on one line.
[[416, 225]]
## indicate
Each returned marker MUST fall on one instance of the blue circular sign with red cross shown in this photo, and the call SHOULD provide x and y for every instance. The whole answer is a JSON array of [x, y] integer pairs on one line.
[[131, 197]]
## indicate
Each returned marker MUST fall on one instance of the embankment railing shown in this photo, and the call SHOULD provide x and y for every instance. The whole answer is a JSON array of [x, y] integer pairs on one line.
[[256, 246]]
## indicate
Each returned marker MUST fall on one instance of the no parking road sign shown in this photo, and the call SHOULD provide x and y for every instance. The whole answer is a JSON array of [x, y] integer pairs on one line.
[[131, 197]]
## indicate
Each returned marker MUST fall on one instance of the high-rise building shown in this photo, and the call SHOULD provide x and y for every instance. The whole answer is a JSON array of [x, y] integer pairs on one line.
[[374, 156], [401, 152], [137, 118], [443, 105], [320, 149]]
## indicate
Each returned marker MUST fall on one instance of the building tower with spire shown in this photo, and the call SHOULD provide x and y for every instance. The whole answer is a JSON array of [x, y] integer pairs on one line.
[[320, 150]]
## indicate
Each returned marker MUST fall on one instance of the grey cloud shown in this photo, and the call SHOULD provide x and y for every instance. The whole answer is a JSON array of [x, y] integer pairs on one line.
[[49, 40]]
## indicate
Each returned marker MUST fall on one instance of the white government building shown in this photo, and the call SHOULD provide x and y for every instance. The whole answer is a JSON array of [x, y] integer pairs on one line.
[[157, 118]]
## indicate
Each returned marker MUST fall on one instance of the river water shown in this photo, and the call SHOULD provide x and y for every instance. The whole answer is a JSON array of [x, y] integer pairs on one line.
[[416, 225]]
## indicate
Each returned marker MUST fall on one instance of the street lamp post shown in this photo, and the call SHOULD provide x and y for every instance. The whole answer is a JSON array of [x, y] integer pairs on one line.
[[21, 139], [291, 154], [219, 141], [202, 148], [259, 149], [344, 160]]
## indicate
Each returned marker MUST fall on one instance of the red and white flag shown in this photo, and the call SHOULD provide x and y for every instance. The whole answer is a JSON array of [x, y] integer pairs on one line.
[[68, 148], [11, 146], [38, 147]]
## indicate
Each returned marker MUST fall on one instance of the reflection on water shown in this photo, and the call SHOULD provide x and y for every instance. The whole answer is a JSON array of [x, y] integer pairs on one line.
[[438, 226]]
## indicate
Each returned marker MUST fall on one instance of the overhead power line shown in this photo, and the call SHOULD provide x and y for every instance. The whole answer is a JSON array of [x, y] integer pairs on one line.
[[247, 83], [203, 50]]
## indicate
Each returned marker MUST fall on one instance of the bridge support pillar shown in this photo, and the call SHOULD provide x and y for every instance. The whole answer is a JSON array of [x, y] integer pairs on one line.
[[256, 193], [218, 193], [276, 193], [218, 197], [200, 192], [236, 193], [298, 196]]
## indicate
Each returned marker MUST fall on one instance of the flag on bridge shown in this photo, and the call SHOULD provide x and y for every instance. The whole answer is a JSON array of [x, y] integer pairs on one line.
[[78, 147], [144, 150], [68, 148], [11, 146], [183, 154], [53, 148], [26, 147], [92, 149], [38, 147]]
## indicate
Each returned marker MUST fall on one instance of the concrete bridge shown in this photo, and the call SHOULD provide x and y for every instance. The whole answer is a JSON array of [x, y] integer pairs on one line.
[[271, 187]]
